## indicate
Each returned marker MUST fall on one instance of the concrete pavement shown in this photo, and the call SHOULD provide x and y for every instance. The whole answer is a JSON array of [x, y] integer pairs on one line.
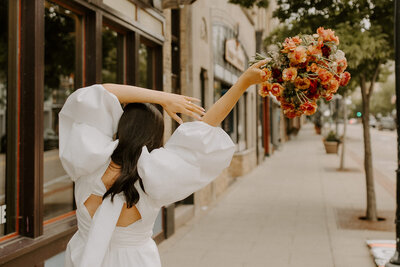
[[287, 212]]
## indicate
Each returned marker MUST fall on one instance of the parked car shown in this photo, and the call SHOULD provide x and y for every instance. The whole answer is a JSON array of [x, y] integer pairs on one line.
[[387, 123]]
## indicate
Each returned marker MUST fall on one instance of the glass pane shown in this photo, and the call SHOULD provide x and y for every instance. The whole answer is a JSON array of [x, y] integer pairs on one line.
[[110, 44], [3, 107], [145, 66], [60, 56]]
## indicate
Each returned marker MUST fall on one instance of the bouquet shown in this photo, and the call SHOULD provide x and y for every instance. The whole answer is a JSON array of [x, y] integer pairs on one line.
[[306, 68]]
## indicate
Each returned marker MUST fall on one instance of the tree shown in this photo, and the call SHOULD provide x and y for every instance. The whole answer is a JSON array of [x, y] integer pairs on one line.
[[365, 28]]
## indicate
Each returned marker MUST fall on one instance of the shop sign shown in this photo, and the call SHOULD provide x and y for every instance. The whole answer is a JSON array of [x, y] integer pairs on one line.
[[234, 54]]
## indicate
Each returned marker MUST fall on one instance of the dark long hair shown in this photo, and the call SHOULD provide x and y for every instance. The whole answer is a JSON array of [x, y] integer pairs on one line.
[[140, 125]]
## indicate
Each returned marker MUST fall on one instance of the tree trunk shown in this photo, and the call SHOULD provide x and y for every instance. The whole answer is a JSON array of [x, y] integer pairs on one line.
[[345, 118], [371, 214]]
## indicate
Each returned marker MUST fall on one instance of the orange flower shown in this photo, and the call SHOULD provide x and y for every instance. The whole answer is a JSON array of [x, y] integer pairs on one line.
[[302, 83], [296, 40], [291, 113], [328, 35], [308, 108], [314, 51], [341, 65], [333, 86], [276, 89], [313, 67], [324, 75], [266, 74], [288, 45], [264, 89], [298, 55], [289, 74]]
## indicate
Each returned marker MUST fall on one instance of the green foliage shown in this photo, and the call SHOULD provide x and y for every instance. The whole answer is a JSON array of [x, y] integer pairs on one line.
[[332, 137], [59, 48], [251, 3]]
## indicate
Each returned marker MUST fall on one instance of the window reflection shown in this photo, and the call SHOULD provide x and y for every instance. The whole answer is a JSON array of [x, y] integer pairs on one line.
[[60, 59], [145, 66], [110, 44], [3, 107]]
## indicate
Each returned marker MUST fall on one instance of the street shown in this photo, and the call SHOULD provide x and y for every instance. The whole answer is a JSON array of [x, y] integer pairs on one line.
[[295, 209]]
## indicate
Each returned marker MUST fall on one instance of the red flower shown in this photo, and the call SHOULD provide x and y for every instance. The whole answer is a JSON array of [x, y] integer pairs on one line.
[[276, 73], [341, 65], [326, 51], [345, 78]]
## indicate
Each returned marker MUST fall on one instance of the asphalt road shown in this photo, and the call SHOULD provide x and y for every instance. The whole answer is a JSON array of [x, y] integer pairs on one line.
[[384, 149]]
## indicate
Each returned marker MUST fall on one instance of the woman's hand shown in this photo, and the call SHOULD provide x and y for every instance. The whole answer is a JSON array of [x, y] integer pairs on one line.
[[173, 103], [254, 75]]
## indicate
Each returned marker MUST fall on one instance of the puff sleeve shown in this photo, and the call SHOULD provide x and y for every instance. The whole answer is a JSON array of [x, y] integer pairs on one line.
[[194, 155], [87, 123]]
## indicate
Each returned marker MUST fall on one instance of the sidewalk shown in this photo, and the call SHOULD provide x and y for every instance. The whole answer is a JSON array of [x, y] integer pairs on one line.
[[285, 213]]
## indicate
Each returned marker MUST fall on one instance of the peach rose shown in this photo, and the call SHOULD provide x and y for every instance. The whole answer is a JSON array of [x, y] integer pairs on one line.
[[288, 45], [333, 86], [298, 55], [276, 89], [296, 40], [302, 83], [289, 74], [328, 35], [324, 75], [314, 51]]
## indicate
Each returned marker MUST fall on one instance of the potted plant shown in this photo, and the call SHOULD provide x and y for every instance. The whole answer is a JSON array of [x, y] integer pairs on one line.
[[331, 143]]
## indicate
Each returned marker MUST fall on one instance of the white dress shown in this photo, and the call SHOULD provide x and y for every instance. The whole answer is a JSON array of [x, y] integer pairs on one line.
[[194, 155]]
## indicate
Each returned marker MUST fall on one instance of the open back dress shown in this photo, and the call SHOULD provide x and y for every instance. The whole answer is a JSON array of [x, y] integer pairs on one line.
[[195, 154]]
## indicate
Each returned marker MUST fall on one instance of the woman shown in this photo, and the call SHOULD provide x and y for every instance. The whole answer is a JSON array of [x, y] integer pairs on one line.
[[122, 174]]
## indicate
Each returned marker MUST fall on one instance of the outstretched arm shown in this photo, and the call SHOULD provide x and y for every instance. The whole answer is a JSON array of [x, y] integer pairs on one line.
[[221, 109], [172, 103]]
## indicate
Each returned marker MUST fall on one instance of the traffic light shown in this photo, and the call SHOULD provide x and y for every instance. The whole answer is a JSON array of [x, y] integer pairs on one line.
[[359, 114]]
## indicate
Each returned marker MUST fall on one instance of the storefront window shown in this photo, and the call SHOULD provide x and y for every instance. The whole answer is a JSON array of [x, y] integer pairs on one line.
[[60, 64], [110, 45], [145, 66], [230, 123], [3, 109]]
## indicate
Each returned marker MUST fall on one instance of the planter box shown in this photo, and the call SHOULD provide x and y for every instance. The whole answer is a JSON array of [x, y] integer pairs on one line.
[[331, 147]]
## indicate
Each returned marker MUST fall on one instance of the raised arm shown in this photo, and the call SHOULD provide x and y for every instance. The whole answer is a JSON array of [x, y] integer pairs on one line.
[[221, 109], [172, 103]]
